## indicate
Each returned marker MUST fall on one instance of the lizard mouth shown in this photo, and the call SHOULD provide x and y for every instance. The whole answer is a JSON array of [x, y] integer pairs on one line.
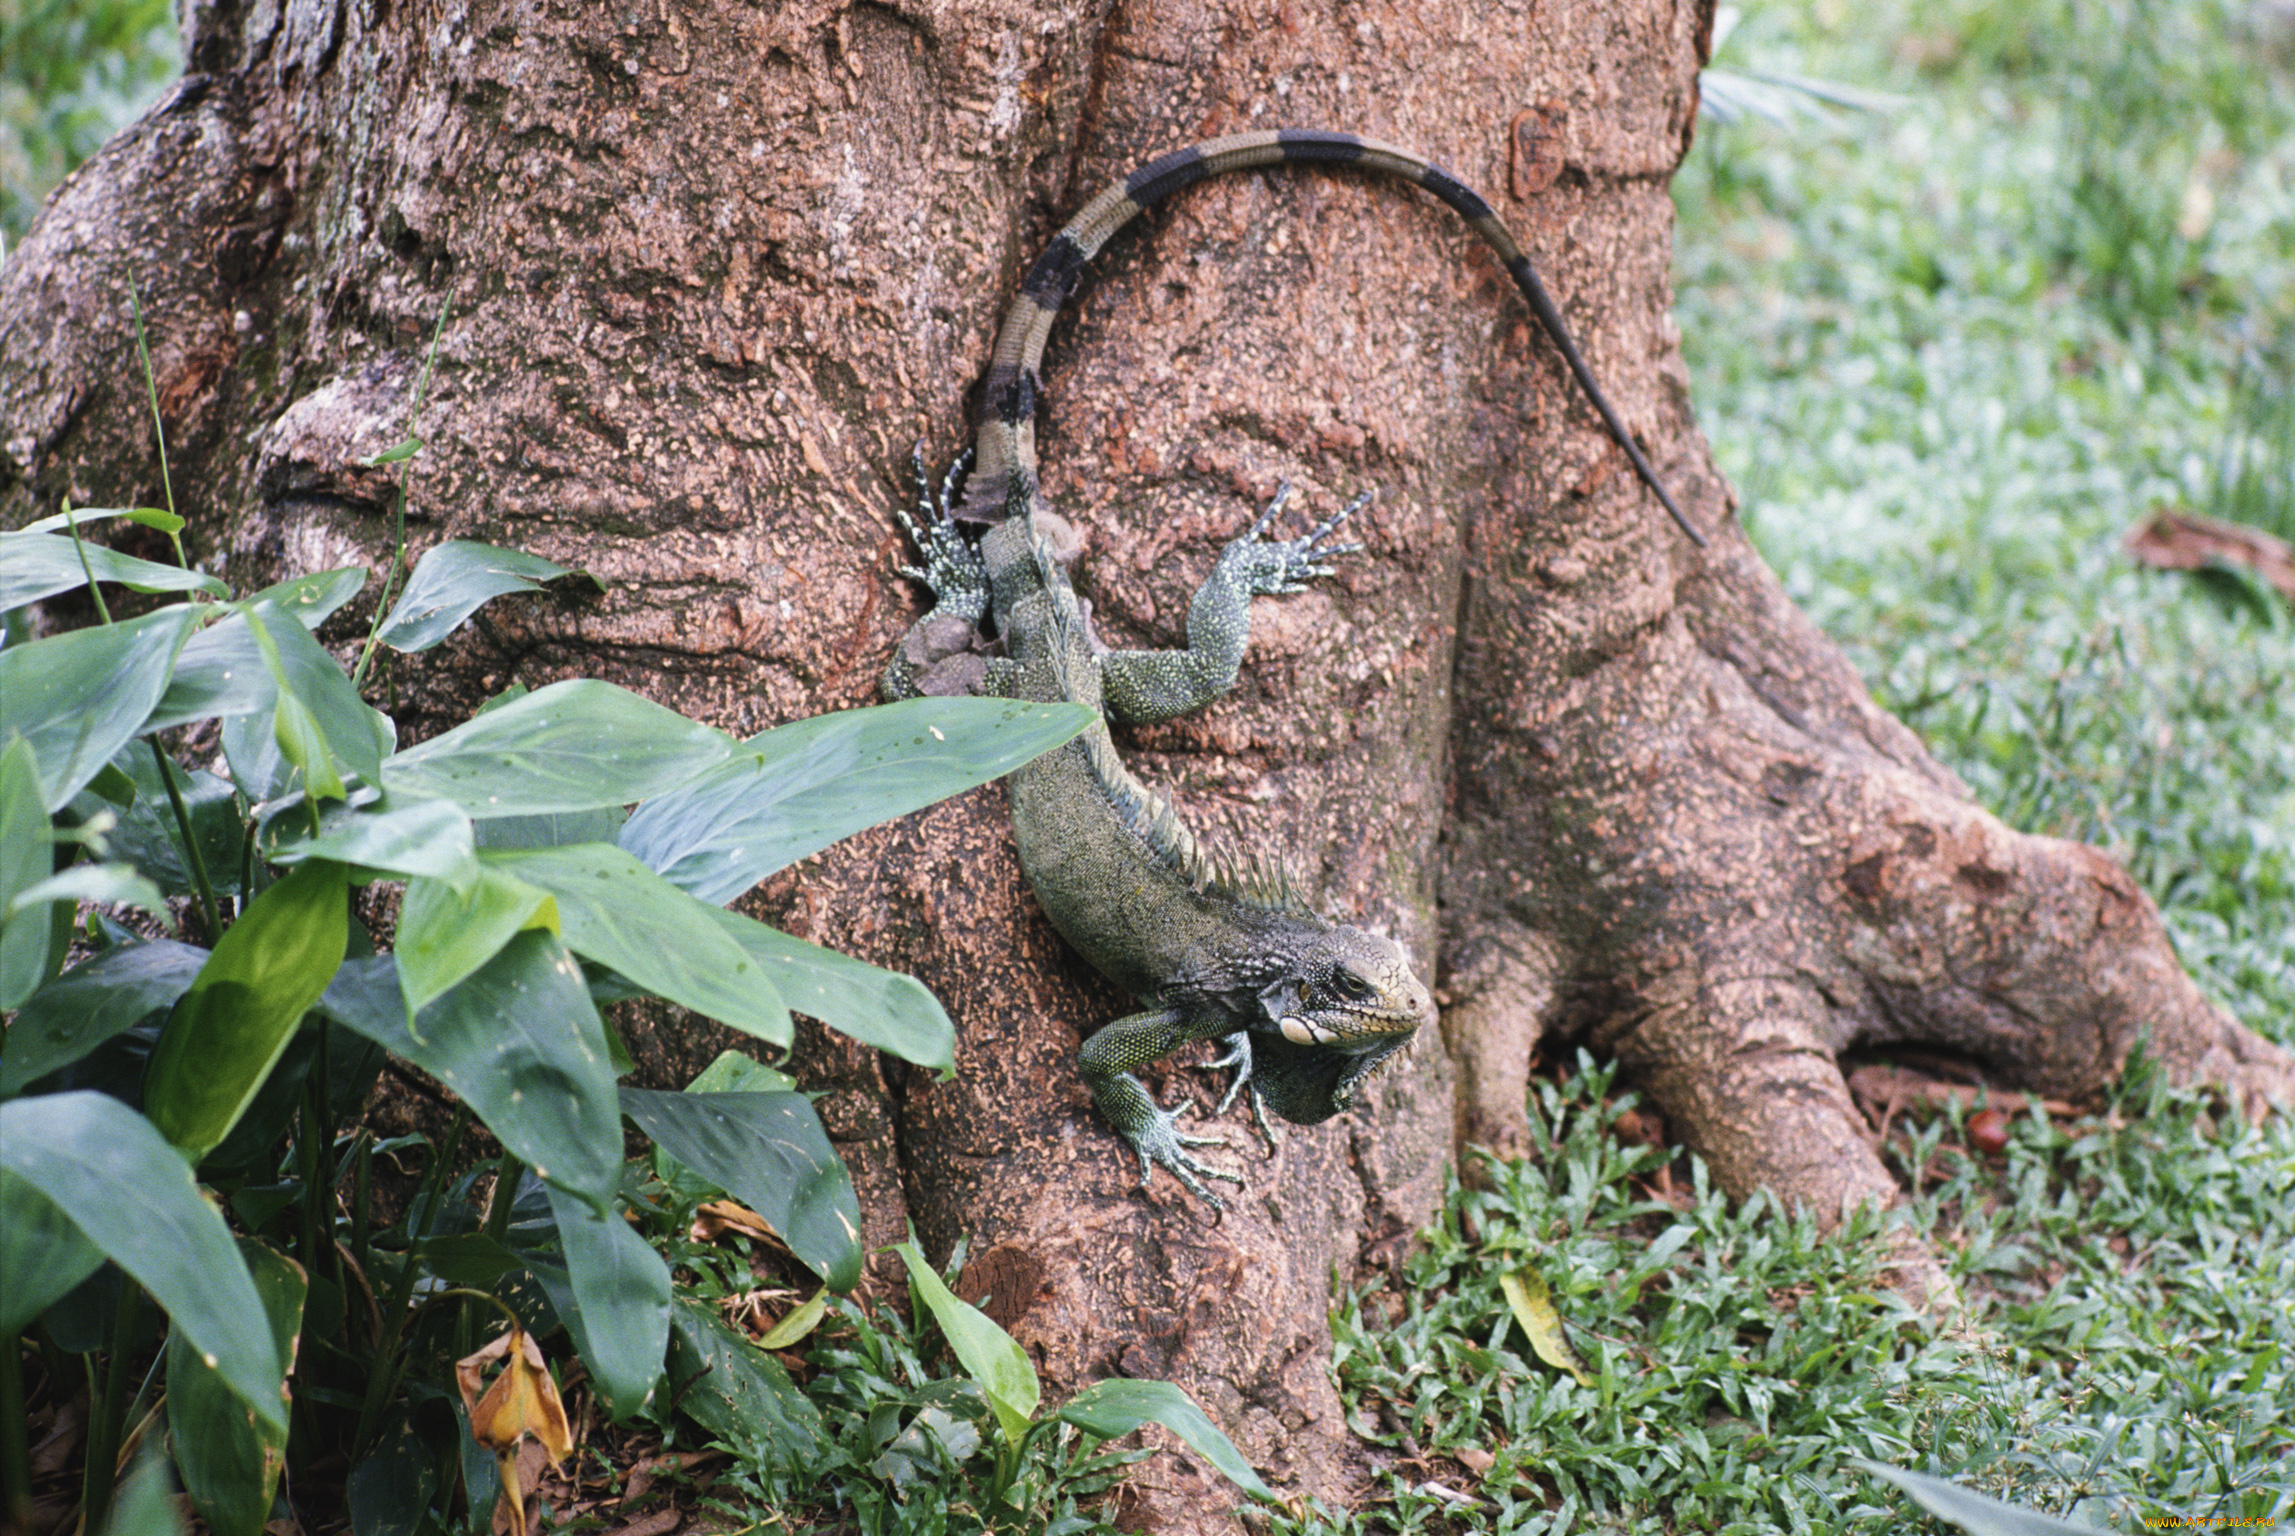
[[1301, 1030]]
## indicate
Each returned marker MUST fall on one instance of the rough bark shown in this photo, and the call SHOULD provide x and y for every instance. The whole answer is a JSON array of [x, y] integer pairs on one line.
[[715, 267]]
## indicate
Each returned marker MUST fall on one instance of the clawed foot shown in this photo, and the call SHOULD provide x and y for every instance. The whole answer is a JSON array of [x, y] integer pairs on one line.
[[1161, 1142], [952, 566], [1239, 1057], [1285, 565]]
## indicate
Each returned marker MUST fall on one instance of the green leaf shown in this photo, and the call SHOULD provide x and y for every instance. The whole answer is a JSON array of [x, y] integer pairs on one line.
[[571, 746], [416, 838], [770, 1152], [79, 697], [798, 788], [520, 1040], [26, 859], [740, 1394], [1112, 1408], [219, 674], [146, 834], [557, 829], [614, 910], [312, 599], [131, 1194], [42, 1255], [449, 583], [467, 1258], [324, 728], [445, 934], [232, 1026], [989, 1355], [875, 1006], [230, 1460], [83, 1008], [1534, 1309], [105, 884], [146, 1502], [620, 1313], [733, 1072], [150, 517], [794, 1328], [398, 452], [1972, 1511], [38, 565], [389, 1493]]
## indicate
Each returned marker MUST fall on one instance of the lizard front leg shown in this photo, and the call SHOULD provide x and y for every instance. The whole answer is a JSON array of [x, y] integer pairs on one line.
[[940, 653], [1141, 687], [1107, 1059]]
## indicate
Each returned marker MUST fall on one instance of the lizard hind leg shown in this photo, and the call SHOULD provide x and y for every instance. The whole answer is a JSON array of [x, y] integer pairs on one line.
[[1153, 1131]]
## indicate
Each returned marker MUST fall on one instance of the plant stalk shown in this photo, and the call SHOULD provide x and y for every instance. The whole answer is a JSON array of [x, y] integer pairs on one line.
[[15, 1439], [109, 1415], [207, 908]]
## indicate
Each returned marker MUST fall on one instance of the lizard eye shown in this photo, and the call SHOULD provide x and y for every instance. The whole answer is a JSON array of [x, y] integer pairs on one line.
[[1348, 984]]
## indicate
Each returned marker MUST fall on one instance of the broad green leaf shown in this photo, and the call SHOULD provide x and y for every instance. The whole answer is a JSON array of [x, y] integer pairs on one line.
[[769, 1151], [220, 674], [26, 858], [147, 835], [42, 1255], [79, 697], [83, 1008], [232, 1026], [445, 934], [229, 1459], [989, 1355], [1534, 1309], [740, 1394], [426, 838], [146, 1502], [467, 1258], [798, 788], [1972, 1511], [617, 912], [131, 1194], [620, 1313], [875, 1006], [389, 1493], [571, 746], [449, 583], [311, 599], [38, 565], [1117, 1407], [557, 829], [520, 1040], [733, 1072], [324, 727], [151, 517], [108, 884]]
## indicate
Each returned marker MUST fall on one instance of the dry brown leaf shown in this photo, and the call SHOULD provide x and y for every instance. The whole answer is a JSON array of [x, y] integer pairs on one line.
[[521, 1406], [2184, 541], [721, 1216]]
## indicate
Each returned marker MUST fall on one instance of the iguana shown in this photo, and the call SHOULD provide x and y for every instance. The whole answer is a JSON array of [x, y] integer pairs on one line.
[[1309, 1008]]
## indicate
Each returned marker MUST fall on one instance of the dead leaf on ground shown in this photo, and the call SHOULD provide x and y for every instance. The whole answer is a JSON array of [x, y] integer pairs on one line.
[[2185, 541], [718, 1217]]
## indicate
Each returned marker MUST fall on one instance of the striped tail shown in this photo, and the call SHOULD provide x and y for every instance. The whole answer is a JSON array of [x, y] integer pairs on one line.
[[1003, 478]]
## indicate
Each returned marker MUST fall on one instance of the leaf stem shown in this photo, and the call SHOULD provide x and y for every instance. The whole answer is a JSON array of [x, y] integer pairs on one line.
[[198, 861], [398, 509], [109, 1414], [158, 427], [15, 1438], [87, 570]]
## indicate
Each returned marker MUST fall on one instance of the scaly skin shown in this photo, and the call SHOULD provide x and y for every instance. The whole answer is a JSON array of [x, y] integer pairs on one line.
[[1309, 1008]]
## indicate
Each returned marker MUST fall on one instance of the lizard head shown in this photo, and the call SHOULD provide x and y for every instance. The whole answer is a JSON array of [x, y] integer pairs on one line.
[[1346, 1006]]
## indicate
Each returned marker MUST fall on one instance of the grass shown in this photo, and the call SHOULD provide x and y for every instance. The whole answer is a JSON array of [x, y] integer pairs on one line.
[[1950, 355]]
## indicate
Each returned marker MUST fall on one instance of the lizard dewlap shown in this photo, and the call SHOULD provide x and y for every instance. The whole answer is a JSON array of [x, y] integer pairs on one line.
[[1308, 1007]]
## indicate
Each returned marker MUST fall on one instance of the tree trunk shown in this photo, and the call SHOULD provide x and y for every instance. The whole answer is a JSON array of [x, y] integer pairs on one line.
[[715, 266]]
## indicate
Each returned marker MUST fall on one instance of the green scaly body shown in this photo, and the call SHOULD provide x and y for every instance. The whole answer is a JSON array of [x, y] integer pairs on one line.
[[1310, 1008]]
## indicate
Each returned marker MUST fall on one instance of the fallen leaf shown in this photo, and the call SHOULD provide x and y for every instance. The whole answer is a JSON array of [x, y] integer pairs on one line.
[[1534, 1309], [521, 1405]]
